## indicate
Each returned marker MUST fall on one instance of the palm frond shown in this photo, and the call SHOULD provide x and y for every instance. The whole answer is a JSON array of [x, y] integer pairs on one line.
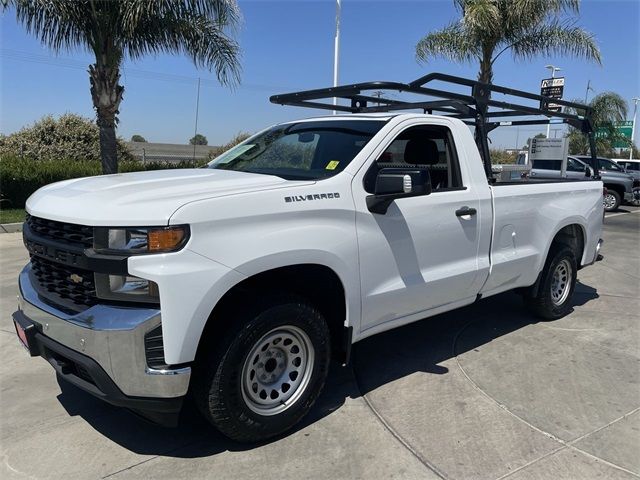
[[221, 12], [481, 15], [520, 16], [608, 107], [195, 35], [556, 38], [453, 42], [60, 24]]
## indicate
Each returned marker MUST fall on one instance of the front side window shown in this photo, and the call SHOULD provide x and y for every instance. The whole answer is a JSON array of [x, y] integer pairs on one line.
[[301, 151], [430, 146], [574, 165]]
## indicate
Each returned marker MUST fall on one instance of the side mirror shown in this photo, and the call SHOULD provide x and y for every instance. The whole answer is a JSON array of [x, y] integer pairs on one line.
[[398, 182], [587, 172]]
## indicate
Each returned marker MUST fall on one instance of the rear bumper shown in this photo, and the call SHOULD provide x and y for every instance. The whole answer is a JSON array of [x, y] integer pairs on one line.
[[101, 350]]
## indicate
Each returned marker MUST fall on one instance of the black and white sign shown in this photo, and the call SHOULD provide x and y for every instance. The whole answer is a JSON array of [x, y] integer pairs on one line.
[[554, 88], [548, 149]]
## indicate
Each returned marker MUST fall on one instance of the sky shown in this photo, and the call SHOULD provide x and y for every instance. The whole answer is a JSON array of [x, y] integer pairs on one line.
[[288, 46]]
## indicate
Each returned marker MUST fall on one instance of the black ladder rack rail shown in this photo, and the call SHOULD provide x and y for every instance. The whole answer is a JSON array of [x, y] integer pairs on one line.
[[477, 109]]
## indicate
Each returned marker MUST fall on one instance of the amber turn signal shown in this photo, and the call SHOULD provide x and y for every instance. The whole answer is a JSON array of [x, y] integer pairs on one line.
[[165, 239]]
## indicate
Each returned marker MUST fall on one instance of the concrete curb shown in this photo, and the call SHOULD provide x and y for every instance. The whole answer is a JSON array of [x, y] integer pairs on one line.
[[10, 227]]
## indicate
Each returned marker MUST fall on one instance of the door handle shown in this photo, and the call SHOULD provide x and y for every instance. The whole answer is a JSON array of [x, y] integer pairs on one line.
[[463, 211]]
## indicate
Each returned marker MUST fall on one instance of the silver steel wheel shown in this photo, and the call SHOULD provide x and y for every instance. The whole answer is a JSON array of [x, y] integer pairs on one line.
[[561, 282], [277, 370], [609, 201]]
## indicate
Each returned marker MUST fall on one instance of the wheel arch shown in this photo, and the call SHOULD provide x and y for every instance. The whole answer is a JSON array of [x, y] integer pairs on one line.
[[320, 284], [572, 233]]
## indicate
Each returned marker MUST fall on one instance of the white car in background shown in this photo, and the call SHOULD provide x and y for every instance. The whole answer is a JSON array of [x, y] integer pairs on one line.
[[632, 167]]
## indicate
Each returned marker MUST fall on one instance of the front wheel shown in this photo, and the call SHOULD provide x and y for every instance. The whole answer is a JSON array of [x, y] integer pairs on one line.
[[267, 374], [553, 299], [611, 201]]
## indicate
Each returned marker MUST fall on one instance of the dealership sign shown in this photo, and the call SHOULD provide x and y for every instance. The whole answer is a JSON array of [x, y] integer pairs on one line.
[[554, 88]]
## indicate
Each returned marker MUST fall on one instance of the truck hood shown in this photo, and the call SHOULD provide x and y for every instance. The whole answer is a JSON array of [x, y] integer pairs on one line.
[[620, 176], [141, 198]]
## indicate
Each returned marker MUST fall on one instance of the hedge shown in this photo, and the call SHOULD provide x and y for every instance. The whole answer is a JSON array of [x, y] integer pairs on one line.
[[20, 177]]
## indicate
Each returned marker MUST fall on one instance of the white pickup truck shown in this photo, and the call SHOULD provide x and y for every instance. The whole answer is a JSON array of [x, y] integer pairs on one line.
[[240, 282]]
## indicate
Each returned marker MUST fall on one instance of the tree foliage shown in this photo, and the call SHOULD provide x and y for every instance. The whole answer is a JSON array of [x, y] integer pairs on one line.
[[198, 139], [116, 30], [70, 136], [138, 138], [607, 108], [526, 28]]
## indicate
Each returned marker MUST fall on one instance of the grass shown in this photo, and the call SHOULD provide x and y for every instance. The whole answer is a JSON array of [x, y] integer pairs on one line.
[[12, 215]]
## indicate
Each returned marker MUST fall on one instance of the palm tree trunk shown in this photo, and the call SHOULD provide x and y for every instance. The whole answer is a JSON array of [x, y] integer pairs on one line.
[[106, 94], [485, 74]]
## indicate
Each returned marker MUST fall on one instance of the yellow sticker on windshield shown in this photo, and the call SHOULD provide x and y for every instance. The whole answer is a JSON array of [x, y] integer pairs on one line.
[[332, 165]]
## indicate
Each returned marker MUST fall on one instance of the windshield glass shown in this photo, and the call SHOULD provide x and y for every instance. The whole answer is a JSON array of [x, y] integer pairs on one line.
[[609, 165], [301, 151]]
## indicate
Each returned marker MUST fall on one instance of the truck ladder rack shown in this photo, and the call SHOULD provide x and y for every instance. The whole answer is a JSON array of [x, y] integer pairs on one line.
[[475, 107]]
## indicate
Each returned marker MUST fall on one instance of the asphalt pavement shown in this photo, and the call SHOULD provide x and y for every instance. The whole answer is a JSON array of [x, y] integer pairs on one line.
[[484, 392]]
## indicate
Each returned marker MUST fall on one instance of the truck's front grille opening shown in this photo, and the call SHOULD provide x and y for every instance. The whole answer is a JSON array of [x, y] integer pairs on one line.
[[69, 233], [154, 348], [64, 285]]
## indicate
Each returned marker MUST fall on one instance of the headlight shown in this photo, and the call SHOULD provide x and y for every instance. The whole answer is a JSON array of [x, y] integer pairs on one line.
[[141, 240], [126, 288]]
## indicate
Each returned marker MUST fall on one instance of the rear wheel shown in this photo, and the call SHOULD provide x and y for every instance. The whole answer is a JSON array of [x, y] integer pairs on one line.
[[265, 375], [611, 201], [553, 299]]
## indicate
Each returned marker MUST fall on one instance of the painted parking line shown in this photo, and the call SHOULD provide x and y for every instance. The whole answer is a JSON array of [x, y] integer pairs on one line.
[[620, 213]]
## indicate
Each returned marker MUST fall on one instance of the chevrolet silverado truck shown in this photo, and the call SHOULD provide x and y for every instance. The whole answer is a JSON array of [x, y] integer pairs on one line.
[[240, 282]]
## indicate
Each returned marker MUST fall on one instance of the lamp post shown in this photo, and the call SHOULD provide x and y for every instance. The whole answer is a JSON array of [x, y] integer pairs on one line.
[[553, 69], [635, 101], [586, 95], [336, 50]]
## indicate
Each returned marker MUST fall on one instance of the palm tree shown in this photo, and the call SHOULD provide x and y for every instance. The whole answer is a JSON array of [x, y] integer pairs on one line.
[[489, 28], [115, 30], [607, 108]]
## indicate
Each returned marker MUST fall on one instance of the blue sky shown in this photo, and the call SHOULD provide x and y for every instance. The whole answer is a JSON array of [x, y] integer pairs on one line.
[[288, 45]]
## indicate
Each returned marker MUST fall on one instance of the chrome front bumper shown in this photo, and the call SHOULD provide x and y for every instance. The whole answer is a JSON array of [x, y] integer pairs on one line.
[[112, 336]]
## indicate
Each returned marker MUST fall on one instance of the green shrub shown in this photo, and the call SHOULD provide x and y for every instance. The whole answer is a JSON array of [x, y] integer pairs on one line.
[[70, 136], [20, 177], [238, 138]]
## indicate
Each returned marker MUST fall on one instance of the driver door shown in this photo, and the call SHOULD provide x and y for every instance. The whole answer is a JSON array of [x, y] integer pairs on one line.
[[421, 255]]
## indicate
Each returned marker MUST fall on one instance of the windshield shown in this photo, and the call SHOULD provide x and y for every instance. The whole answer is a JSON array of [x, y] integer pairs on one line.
[[603, 164], [301, 151], [609, 165]]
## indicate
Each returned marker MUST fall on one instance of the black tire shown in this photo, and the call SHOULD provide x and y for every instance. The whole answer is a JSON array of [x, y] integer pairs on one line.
[[219, 374], [543, 303], [614, 201]]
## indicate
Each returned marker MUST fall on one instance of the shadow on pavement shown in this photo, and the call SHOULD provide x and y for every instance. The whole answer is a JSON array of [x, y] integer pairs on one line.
[[376, 361]]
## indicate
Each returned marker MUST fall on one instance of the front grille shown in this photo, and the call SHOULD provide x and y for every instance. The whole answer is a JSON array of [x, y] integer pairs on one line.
[[69, 233], [63, 284], [154, 348], [636, 183]]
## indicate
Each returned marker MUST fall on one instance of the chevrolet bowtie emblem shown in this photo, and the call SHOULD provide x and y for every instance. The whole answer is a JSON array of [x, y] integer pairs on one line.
[[75, 278]]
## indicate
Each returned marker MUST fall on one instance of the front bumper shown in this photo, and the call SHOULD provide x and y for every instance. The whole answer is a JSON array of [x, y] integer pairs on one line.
[[101, 350], [628, 196]]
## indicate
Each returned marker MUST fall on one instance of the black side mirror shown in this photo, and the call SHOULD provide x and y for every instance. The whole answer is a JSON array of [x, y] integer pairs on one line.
[[587, 172], [398, 182]]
